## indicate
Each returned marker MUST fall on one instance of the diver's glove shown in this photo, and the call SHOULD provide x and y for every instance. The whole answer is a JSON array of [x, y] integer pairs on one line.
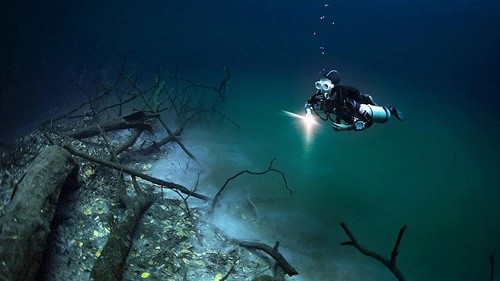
[[308, 111], [342, 127]]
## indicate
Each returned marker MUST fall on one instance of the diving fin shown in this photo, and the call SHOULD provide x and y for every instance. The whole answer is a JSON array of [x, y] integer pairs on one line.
[[394, 111]]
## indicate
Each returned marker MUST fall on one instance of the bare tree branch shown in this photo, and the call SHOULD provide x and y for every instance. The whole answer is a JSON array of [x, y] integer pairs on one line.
[[111, 263], [269, 169], [137, 119], [152, 109], [220, 90], [130, 141], [127, 170], [228, 273], [273, 252], [390, 264]]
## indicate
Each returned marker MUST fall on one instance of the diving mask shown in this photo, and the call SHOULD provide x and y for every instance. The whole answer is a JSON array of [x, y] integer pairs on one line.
[[324, 85]]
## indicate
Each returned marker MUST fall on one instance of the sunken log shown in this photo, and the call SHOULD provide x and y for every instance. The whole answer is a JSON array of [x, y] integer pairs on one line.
[[273, 252], [111, 263], [25, 225], [138, 120]]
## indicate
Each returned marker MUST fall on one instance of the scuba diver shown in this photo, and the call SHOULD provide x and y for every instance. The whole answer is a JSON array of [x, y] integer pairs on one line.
[[352, 109]]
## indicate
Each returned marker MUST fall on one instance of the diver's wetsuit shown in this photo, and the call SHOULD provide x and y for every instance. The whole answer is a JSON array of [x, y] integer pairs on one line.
[[344, 103]]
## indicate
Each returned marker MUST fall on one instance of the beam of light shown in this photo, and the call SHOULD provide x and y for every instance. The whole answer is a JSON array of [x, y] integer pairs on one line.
[[308, 123], [307, 120]]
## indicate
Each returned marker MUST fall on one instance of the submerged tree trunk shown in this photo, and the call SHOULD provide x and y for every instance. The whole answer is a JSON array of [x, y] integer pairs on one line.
[[25, 225], [110, 265]]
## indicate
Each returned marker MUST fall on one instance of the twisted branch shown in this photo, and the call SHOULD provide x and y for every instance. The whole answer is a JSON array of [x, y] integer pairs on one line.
[[273, 252], [220, 90], [152, 109], [390, 264], [269, 169]]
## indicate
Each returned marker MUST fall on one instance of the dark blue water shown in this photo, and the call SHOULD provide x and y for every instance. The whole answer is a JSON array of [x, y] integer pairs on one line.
[[438, 62]]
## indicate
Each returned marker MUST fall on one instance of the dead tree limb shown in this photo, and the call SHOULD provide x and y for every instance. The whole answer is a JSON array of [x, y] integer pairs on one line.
[[130, 171], [155, 146], [101, 92], [25, 225], [152, 109], [224, 116], [110, 264], [273, 252], [124, 146], [175, 138], [220, 90], [138, 120], [278, 275], [185, 199], [269, 169], [390, 264], [224, 278], [112, 152], [118, 104], [130, 141]]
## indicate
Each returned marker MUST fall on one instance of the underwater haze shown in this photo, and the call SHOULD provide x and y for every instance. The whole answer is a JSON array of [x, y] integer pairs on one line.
[[438, 171]]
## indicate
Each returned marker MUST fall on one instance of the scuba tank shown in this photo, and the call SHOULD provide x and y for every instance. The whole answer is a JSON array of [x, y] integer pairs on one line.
[[378, 114]]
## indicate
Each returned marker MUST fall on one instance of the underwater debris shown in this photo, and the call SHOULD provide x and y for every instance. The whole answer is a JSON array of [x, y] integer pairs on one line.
[[170, 240]]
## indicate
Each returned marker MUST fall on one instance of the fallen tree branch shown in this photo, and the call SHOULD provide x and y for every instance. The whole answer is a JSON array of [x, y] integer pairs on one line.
[[185, 199], [273, 252], [130, 171], [124, 146], [224, 278], [278, 275], [102, 91], [152, 109], [390, 264], [25, 225], [221, 90], [119, 104], [224, 116], [155, 146], [137, 120], [111, 262], [269, 169], [130, 141], [112, 153]]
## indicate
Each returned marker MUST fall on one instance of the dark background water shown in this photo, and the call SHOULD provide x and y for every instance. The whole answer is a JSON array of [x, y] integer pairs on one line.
[[446, 52], [437, 61]]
